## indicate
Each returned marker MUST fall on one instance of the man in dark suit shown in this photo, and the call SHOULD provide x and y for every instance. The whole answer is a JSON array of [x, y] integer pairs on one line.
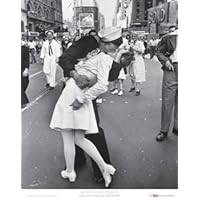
[[167, 55], [79, 49], [24, 73]]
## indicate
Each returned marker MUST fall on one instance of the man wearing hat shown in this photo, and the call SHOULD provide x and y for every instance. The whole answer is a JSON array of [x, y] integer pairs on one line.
[[50, 53], [167, 55], [108, 41]]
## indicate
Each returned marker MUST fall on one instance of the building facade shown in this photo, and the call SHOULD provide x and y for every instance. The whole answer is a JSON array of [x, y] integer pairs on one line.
[[86, 15], [122, 15], [23, 16], [101, 21], [139, 18], [161, 16], [44, 14]]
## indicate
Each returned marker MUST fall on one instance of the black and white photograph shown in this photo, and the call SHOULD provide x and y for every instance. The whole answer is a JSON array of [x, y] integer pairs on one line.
[[99, 94], [99, 99]]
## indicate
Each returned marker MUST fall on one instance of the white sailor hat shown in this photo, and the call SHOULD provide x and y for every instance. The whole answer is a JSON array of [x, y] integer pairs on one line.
[[49, 31], [110, 34]]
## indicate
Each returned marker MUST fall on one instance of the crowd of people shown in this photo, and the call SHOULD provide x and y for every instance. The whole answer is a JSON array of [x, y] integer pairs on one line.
[[89, 64]]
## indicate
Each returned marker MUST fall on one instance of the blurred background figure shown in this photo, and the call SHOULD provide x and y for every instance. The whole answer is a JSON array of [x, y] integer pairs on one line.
[[137, 67], [167, 55], [152, 46], [153, 43], [118, 84], [32, 48], [50, 53], [66, 43], [24, 73]]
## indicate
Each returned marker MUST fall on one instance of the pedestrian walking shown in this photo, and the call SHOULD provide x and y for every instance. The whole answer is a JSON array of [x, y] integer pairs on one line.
[[152, 45], [32, 48], [167, 55], [40, 43], [50, 53], [137, 70], [74, 114], [24, 73], [58, 40]]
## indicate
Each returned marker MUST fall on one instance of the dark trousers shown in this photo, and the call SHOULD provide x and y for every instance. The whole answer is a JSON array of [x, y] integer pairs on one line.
[[169, 99], [152, 51], [100, 142], [24, 85], [32, 54]]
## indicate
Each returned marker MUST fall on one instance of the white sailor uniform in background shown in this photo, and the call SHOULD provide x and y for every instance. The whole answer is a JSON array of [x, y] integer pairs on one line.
[[50, 52]]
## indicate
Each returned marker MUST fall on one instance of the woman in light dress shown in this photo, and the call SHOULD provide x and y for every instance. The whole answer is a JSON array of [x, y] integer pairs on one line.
[[74, 116], [137, 67]]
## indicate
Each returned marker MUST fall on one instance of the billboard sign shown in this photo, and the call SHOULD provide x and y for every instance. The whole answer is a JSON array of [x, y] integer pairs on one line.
[[158, 14], [86, 20]]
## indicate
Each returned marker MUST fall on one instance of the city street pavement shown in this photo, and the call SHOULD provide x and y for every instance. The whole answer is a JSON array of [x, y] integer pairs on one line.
[[130, 123]]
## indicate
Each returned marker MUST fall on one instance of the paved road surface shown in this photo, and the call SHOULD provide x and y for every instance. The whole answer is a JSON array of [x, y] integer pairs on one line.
[[130, 125]]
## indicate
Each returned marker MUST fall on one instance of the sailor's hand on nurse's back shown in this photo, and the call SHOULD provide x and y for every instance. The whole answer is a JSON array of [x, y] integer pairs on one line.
[[81, 81]]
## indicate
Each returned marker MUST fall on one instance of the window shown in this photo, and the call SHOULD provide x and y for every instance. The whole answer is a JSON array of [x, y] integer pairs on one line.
[[138, 4], [137, 10]]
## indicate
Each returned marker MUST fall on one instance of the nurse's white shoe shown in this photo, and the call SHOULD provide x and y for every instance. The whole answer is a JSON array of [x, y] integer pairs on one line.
[[107, 172], [70, 175]]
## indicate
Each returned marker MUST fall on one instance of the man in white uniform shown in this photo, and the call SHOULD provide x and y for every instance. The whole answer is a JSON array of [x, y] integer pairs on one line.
[[50, 53]]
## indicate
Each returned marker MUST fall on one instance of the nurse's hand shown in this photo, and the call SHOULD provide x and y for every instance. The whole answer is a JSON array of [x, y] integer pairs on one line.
[[76, 105], [81, 81]]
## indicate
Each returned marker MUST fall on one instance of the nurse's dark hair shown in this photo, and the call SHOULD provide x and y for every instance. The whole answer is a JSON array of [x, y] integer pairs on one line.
[[92, 31]]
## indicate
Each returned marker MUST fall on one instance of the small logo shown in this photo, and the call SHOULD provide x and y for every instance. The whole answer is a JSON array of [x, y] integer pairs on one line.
[[154, 195]]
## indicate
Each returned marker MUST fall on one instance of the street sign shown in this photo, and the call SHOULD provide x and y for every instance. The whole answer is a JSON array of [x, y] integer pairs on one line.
[[33, 34]]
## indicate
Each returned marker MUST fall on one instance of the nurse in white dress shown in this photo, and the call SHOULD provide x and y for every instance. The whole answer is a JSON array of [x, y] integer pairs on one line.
[[137, 67], [74, 116]]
